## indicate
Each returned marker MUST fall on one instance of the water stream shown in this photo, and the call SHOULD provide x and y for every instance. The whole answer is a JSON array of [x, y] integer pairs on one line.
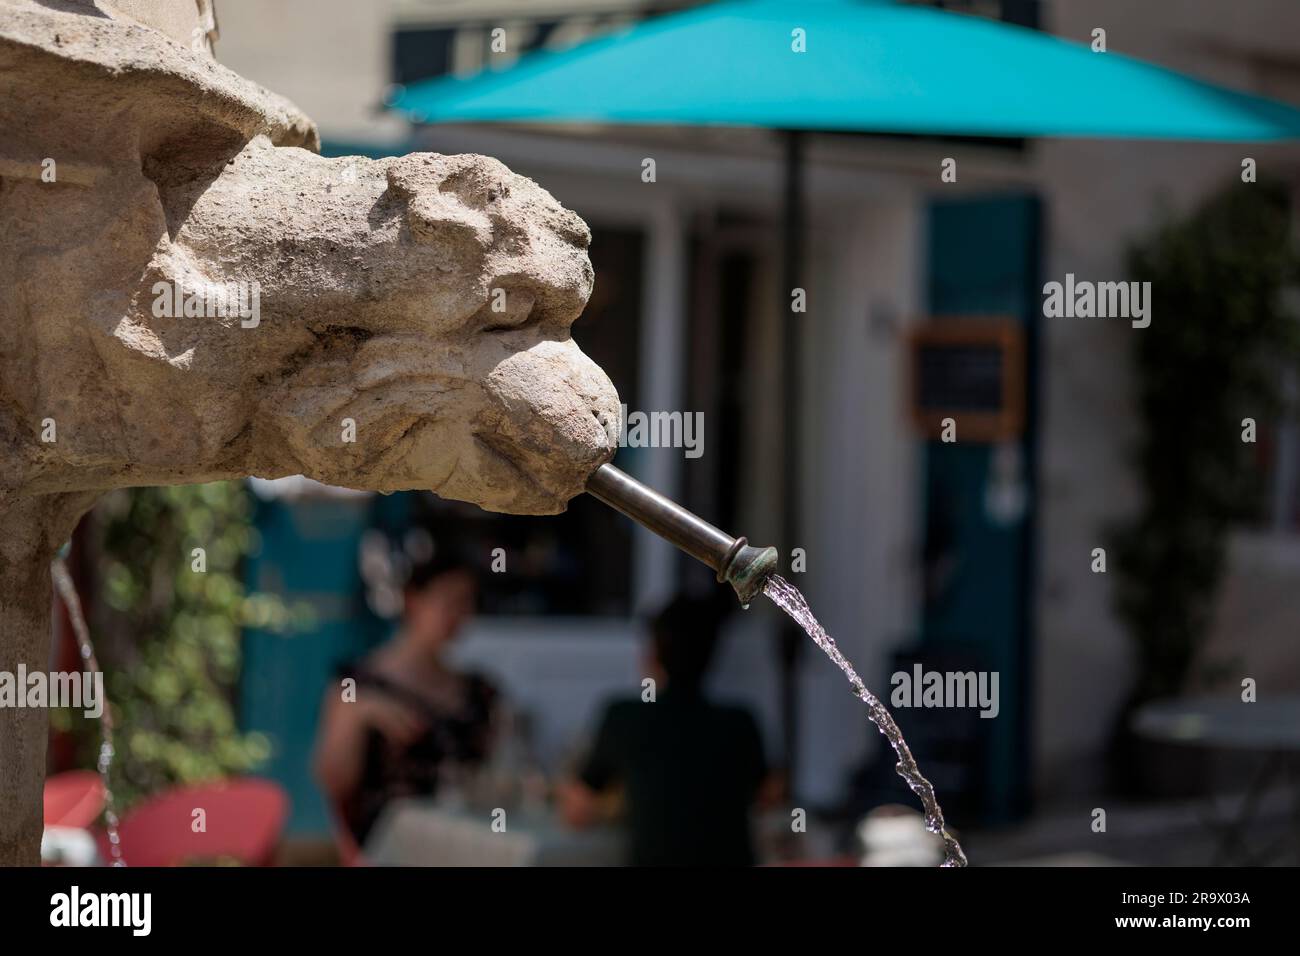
[[68, 591], [789, 599]]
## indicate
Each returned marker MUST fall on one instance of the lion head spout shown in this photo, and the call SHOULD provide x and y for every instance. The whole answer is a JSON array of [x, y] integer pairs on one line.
[[376, 324], [420, 312]]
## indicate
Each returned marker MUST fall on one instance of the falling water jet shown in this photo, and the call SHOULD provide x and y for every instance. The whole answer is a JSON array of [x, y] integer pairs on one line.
[[789, 599], [752, 571], [68, 592]]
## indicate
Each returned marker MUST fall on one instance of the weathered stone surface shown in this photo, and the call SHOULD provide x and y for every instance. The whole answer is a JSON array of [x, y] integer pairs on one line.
[[419, 305]]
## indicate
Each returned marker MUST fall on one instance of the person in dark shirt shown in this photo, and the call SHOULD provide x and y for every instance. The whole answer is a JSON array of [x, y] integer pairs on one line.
[[689, 770], [412, 717]]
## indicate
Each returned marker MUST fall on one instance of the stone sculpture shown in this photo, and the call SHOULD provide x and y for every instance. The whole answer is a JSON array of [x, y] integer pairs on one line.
[[188, 292]]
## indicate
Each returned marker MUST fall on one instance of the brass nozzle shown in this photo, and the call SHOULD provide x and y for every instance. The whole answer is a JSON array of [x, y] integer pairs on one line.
[[737, 562]]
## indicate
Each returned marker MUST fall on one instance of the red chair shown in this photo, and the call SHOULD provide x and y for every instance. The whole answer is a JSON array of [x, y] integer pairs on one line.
[[73, 799], [243, 820]]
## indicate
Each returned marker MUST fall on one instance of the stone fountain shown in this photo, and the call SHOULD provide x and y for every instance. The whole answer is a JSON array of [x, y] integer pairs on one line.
[[189, 292]]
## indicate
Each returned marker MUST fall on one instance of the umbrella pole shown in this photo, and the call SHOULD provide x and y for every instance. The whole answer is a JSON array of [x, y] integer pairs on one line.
[[791, 638]]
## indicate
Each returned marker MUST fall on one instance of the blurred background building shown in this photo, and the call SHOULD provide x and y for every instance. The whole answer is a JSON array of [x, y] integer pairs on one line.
[[978, 553]]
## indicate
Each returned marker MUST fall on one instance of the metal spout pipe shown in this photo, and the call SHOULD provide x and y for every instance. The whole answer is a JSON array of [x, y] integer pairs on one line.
[[738, 563]]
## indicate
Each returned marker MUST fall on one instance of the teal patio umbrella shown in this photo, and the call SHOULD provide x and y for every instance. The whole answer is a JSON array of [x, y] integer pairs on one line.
[[846, 65], [856, 65]]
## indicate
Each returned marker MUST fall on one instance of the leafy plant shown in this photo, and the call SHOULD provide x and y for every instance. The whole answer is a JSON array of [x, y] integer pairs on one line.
[[168, 635], [1211, 358]]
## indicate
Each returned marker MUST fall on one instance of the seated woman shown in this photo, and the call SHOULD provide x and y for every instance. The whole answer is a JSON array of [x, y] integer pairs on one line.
[[412, 719]]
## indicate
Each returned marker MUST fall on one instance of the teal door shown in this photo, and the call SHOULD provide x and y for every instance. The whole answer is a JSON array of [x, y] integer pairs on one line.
[[979, 498], [308, 557]]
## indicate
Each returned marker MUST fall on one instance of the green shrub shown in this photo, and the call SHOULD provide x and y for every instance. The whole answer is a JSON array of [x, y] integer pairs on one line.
[[168, 636], [1212, 356]]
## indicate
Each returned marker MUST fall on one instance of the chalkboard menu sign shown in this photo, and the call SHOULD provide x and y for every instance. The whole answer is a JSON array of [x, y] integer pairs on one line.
[[969, 370]]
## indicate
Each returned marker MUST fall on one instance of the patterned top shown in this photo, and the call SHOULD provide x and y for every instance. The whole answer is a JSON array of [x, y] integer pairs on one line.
[[458, 737]]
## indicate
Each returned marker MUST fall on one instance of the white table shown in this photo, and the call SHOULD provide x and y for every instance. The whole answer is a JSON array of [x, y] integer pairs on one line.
[[419, 832], [1268, 727]]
